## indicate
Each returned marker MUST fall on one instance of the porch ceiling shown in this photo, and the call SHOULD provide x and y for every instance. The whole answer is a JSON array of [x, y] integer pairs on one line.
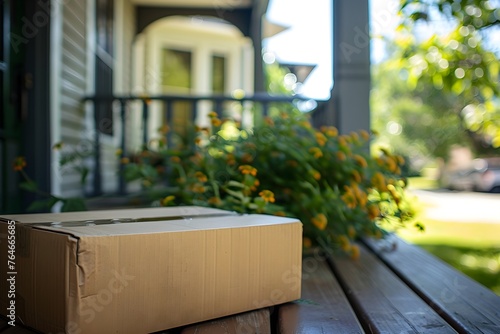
[[196, 3]]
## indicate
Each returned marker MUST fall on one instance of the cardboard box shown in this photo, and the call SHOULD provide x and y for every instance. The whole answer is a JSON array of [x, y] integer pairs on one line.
[[160, 268]]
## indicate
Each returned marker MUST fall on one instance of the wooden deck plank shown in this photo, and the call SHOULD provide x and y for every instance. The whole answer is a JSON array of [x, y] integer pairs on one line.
[[467, 305], [255, 322], [384, 304], [323, 307]]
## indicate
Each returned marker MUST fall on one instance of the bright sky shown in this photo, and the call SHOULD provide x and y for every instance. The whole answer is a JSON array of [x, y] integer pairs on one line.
[[309, 38], [307, 41]]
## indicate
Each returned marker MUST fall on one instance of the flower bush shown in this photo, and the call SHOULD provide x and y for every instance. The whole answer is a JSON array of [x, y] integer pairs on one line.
[[282, 167]]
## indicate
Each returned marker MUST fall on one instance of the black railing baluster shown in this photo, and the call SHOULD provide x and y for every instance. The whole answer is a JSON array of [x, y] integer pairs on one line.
[[145, 118], [169, 116], [123, 146], [97, 181], [265, 108], [194, 111], [218, 107]]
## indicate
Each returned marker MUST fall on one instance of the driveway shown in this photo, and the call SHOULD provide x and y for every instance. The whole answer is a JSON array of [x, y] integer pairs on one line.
[[463, 207]]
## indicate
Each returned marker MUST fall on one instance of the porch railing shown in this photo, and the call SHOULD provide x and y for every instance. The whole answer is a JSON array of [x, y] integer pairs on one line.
[[143, 106]]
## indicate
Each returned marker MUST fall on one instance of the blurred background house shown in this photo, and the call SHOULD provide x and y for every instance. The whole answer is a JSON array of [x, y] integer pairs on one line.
[[117, 55]]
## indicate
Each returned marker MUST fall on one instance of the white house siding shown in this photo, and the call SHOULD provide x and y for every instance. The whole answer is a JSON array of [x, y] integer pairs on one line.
[[70, 85]]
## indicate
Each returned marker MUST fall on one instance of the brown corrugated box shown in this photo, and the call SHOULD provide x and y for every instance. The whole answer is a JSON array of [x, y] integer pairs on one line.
[[149, 270]]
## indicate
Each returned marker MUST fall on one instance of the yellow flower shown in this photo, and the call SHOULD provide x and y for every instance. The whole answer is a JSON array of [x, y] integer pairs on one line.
[[320, 138], [269, 121], [360, 161], [201, 177], [284, 115], [401, 160], [351, 231], [19, 164], [197, 140], [373, 211], [355, 252], [342, 141], [198, 188], [125, 161], [320, 221], [267, 196], [58, 146], [246, 158], [306, 124], [216, 122], [378, 181], [392, 164], [212, 114], [316, 152], [230, 159], [356, 176], [175, 159], [247, 169], [214, 201], [164, 129], [330, 131], [255, 185], [306, 243], [354, 136], [365, 135], [315, 174], [341, 156], [167, 200], [394, 194], [344, 242], [349, 198]]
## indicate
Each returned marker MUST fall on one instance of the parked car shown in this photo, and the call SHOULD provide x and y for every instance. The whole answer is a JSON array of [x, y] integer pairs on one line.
[[482, 175]]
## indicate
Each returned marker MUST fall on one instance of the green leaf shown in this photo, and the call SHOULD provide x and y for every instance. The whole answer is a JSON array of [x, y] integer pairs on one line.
[[44, 204], [73, 204], [235, 194], [236, 184], [84, 172], [29, 186]]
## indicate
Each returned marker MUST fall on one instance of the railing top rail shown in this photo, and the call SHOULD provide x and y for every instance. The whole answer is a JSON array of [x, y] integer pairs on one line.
[[218, 98]]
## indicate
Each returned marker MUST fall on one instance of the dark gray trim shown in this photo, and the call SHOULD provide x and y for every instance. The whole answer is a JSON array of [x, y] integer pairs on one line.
[[36, 141], [239, 17]]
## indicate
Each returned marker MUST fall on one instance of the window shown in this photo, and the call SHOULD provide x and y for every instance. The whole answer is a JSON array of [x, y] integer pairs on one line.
[[177, 79], [218, 74], [176, 70]]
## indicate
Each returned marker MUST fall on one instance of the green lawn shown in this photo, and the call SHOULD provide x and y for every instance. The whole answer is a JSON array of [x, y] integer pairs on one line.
[[472, 247]]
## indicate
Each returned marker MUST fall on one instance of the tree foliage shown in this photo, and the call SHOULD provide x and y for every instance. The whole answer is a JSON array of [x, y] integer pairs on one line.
[[456, 61]]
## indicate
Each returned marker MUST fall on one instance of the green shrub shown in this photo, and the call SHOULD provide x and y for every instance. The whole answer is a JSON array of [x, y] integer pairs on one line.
[[282, 167]]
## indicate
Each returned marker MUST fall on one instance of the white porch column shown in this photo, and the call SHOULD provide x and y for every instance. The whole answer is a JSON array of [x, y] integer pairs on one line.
[[351, 65]]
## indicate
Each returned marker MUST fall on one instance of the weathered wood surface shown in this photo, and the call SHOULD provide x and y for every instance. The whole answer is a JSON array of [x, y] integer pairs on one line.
[[323, 307], [467, 305], [383, 302], [392, 288], [257, 322]]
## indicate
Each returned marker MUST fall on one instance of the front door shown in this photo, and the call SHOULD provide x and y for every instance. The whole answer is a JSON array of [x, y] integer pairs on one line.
[[24, 99]]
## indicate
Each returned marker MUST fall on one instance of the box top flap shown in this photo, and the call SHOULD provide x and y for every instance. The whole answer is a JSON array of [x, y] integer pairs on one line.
[[128, 214], [181, 225]]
